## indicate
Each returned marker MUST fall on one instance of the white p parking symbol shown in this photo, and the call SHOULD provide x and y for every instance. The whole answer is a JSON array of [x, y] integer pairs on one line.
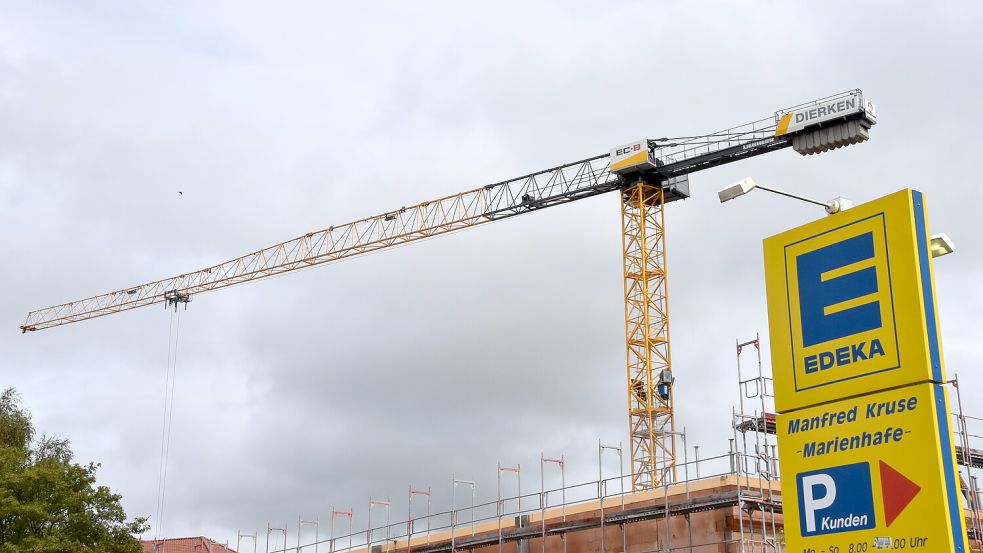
[[810, 502]]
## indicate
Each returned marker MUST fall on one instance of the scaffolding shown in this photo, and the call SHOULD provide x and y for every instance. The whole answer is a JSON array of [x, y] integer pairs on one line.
[[731, 490], [757, 391], [761, 424], [969, 431]]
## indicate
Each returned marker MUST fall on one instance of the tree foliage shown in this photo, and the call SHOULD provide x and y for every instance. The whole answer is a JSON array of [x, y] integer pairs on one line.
[[48, 502]]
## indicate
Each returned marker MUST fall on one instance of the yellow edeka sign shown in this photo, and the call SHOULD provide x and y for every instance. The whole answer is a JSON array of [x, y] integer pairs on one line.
[[871, 472], [851, 306]]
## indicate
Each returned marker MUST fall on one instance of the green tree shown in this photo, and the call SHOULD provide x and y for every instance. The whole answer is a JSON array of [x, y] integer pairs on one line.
[[47, 502]]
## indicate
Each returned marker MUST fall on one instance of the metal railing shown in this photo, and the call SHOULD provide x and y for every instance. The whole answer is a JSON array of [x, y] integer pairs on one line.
[[607, 495]]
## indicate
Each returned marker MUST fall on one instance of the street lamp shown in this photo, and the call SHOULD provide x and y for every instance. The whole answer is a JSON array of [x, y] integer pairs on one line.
[[940, 244], [747, 184]]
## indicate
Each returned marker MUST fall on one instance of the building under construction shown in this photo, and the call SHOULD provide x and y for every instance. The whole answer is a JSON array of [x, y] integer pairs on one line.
[[725, 503]]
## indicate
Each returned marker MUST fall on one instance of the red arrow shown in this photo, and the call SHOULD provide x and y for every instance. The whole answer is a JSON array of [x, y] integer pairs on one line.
[[897, 492]]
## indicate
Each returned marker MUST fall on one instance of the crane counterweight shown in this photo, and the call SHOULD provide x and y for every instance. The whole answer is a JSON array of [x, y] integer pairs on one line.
[[647, 173]]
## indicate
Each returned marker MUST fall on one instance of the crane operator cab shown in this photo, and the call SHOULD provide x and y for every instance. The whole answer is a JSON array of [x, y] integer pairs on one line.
[[636, 160]]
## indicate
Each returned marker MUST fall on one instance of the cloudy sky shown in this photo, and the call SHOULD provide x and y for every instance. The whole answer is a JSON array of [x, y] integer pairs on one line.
[[354, 380]]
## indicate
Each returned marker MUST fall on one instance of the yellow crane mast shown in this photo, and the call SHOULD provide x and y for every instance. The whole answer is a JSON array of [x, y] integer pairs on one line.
[[650, 415], [647, 174]]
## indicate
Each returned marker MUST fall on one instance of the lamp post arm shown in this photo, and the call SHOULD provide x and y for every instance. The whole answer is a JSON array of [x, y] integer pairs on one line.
[[790, 195]]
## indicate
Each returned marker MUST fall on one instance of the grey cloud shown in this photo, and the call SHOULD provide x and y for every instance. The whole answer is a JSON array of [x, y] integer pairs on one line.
[[443, 357]]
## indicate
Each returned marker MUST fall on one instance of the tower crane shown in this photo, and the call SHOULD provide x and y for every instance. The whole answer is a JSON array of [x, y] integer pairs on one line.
[[647, 174]]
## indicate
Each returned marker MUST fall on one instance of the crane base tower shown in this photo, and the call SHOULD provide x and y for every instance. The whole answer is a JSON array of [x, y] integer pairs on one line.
[[650, 413]]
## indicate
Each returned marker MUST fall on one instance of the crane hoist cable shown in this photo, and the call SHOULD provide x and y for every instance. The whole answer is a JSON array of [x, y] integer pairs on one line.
[[163, 426], [647, 174], [167, 418]]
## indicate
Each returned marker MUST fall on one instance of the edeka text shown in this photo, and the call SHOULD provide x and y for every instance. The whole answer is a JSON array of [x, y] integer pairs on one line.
[[843, 356]]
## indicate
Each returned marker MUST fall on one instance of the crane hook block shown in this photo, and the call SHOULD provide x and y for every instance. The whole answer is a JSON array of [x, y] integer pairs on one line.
[[174, 297]]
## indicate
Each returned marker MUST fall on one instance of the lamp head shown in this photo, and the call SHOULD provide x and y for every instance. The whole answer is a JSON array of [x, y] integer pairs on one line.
[[940, 244], [739, 188], [838, 204]]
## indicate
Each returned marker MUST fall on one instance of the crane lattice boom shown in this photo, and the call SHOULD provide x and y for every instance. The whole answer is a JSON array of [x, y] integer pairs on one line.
[[409, 223]]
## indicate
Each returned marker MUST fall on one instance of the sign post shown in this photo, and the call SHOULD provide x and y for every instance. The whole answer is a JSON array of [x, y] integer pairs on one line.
[[864, 430]]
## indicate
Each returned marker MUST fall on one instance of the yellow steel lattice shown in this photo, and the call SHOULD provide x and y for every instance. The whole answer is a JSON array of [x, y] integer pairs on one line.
[[650, 414]]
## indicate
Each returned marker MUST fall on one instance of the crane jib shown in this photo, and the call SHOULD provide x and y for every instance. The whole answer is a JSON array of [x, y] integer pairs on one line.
[[661, 161]]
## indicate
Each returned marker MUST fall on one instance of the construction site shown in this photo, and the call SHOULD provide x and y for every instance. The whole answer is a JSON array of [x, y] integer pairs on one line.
[[670, 496], [730, 502]]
